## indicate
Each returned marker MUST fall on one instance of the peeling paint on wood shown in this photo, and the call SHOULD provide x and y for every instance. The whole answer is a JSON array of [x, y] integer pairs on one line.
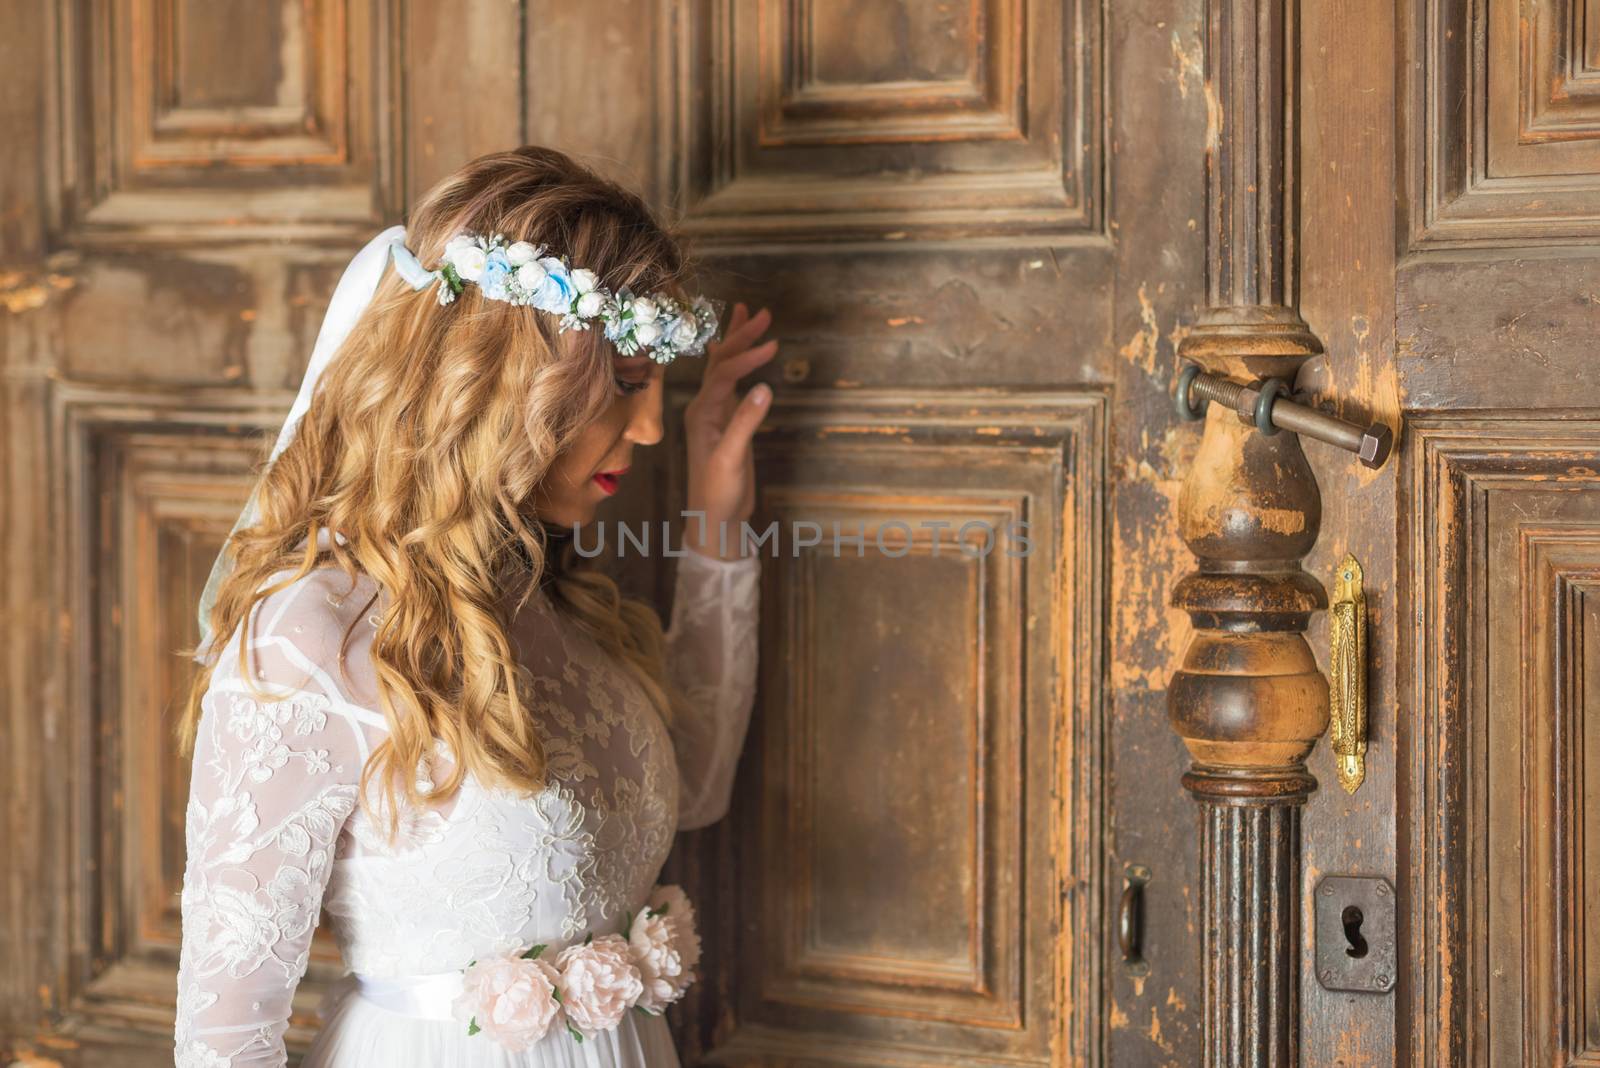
[[1189, 58], [1141, 348], [21, 293]]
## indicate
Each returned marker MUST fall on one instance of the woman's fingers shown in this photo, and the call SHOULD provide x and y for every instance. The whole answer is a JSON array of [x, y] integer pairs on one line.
[[742, 332], [742, 426], [719, 348], [722, 424], [740, 364], [719, 381]]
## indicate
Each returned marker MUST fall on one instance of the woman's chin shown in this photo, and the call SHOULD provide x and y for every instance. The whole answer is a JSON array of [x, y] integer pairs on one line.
[[576, 504], [563, 520]]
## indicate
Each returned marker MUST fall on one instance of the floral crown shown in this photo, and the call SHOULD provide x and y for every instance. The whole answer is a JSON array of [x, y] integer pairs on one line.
[[520, 273]]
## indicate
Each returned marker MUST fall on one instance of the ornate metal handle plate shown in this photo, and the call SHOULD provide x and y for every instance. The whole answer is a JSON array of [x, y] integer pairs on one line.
[[1347, 663]]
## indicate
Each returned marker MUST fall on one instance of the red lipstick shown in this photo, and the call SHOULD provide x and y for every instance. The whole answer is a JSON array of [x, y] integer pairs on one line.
[[608, 480]]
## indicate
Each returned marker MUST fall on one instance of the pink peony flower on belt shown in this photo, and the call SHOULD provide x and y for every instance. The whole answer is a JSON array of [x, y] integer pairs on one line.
[[513, 1000], [665, 946], [675, 903], [599, 983]]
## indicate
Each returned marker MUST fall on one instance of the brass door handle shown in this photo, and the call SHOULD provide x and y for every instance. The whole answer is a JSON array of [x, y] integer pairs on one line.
[[1347, 664]]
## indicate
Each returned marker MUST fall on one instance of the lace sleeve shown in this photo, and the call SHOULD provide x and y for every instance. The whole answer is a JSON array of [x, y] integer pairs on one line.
[[274, 777], [711, 650]]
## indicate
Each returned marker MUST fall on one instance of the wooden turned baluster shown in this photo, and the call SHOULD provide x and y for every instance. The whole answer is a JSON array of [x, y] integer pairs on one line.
[[1249, 700]]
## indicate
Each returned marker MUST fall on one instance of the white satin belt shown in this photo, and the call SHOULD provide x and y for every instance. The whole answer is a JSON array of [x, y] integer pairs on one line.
[[425, 997]]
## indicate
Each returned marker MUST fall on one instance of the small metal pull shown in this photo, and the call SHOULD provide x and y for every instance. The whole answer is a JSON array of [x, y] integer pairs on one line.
[[1130, 919], [1268, 407], [1347, 664]]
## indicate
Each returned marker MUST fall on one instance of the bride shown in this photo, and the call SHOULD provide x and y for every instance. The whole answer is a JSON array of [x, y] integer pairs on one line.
[[417, 713]]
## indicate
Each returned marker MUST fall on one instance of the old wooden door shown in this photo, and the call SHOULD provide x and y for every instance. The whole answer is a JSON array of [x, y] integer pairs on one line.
[[1404, 216], [986, 231], [979, 227], [1497, 313]]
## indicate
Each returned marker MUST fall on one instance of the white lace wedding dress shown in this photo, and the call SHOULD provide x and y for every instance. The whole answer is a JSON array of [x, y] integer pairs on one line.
[[275, 833]]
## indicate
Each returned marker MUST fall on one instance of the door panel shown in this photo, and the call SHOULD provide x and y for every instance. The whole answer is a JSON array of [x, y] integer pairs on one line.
[[149, 492], [170, 134], [979, 229], [1504, 102], [822, 120], [1501, 525], [915, 825], [1506, 591]]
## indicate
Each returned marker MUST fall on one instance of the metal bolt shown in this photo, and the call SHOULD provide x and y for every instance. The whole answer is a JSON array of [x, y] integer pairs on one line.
[[1371, 445], [1231, 394], [1376, 441]]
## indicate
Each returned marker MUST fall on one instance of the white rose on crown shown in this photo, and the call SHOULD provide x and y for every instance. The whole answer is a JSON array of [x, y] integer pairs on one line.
[[531, 276], [683, 333], [584, 281], [644, 310], [590, 303], [647, 333], [469, 261], [521, 253]]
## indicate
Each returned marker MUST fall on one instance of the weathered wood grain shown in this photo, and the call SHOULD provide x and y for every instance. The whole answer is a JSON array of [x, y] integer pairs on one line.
[[1348, 248], [1249, 700], [1496, 787]]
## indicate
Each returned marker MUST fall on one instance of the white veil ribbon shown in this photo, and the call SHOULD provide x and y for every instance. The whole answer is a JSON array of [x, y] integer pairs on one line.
[[350, 298]]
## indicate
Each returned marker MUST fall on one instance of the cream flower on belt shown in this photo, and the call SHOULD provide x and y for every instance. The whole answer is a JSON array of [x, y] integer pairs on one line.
[[591, 985]]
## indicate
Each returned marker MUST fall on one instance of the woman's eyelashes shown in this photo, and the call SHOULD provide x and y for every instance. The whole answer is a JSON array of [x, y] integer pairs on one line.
[[628, 386]]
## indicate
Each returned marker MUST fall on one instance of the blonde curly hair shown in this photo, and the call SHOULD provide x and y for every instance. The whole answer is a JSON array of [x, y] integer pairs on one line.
[[424, 443]]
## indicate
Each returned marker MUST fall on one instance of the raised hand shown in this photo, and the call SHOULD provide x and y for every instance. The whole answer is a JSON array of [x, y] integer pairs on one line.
[[719, 425]]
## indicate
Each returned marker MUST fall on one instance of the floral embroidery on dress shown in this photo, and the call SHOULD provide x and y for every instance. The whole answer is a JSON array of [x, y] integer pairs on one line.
[[275, 835], [416, 826]]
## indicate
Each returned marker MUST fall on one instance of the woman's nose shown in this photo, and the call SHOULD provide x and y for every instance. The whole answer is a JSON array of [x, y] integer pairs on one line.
[[644, 422]]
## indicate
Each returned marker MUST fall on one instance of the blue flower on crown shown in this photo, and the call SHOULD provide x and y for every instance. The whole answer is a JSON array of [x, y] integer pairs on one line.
[[496, 275], [555, 293]]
